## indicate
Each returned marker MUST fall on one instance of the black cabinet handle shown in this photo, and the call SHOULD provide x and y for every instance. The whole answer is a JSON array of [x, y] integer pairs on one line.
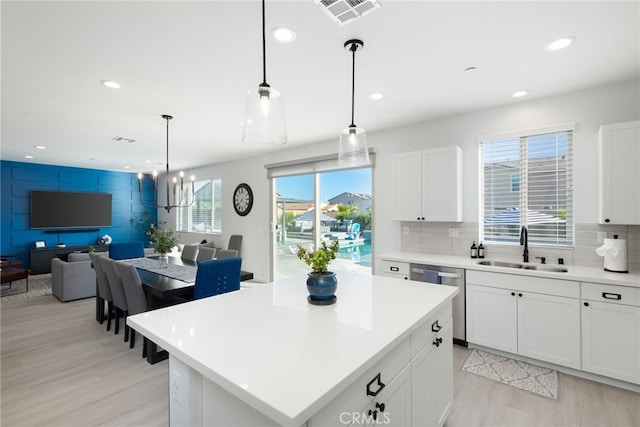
[[607, 220], [586, 304], [374, 413], [378, 383], [380, 406], [513, 294], [519, 294], [418, 218], [394, 268], [437, 342], [609, 295], [435, 327]]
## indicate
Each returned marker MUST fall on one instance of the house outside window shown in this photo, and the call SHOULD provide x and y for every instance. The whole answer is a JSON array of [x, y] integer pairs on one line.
[[526, 180], [204, 215]]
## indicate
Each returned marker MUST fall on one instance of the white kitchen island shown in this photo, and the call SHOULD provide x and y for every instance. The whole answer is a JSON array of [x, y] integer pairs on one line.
[[265, 356]]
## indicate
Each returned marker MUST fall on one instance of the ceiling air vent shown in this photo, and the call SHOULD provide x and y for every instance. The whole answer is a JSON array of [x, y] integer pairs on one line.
[[345, 11], [123, 139]]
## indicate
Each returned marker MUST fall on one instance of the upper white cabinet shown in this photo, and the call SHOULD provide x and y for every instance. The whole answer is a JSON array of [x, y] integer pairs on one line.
[[619, 150], [428, 185]]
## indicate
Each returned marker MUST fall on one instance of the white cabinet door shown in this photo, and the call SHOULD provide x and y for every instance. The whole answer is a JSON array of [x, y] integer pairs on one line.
[[492, 318], [392, 407], [611, 340], [432, 380], [619, 148], [549, 328], [427, 185], [442, 184], [407, 186]]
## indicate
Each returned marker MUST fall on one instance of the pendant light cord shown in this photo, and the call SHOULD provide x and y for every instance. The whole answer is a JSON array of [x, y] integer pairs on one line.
[[353, 81], [166, 176], [264, 49]]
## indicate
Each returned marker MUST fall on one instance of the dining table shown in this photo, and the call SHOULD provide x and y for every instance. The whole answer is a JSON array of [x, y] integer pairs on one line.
[[163, 287]]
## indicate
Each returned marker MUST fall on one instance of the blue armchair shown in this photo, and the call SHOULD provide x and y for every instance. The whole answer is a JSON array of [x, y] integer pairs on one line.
[[217, 276], [126, 250]]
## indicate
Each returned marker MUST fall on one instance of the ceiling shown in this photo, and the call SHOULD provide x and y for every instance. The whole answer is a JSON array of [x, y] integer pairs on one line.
[[196, 60]]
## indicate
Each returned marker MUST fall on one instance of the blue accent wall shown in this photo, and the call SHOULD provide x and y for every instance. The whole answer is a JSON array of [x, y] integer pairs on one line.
[[19, 179]]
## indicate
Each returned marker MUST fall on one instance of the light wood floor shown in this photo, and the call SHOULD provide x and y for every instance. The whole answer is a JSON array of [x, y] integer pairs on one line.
[[61, 368]]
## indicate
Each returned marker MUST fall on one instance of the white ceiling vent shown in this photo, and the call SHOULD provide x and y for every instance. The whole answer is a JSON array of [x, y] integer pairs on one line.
[[123, 139], [345, 11]]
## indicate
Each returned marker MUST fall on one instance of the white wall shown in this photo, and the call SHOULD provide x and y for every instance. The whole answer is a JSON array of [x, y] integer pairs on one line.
[[588, 109]]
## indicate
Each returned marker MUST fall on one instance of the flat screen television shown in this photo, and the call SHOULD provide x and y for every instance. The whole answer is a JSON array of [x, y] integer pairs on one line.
[[60, 209]]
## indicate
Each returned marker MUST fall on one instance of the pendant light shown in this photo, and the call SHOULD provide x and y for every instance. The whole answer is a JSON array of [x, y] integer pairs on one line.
[[264, 121], [353, 139], [178, 195]]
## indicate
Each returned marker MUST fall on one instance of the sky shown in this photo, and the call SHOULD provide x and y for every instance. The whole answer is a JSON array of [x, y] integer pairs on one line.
[[331, 184]]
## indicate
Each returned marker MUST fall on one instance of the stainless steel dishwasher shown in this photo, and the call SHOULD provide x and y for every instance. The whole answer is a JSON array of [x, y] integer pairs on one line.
[[450, 277]]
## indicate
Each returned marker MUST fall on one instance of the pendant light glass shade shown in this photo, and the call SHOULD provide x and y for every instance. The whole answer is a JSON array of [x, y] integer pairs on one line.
[[264, 121], [353, 139], [353, 147]]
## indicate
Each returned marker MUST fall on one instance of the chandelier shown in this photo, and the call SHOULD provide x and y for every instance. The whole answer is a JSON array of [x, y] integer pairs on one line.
[[178, 190]]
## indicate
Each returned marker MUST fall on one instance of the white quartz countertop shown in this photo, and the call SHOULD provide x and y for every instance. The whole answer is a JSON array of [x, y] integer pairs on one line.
[[284, 357], [575, 273]]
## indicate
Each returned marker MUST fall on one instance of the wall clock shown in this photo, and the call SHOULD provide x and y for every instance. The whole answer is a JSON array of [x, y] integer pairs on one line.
[[243, 199]]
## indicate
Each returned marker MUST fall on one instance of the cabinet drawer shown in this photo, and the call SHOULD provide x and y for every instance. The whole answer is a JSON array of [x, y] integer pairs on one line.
[[611, 293], [425, 333], [354, 398], [394, 267], [540, 285]]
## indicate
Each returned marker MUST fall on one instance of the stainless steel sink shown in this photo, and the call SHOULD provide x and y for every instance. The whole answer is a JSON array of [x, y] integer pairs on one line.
[[518, 265], [545, 268], [500, 264]]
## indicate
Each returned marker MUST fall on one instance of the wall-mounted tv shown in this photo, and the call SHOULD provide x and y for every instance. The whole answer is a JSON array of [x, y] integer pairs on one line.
[[60, 209]]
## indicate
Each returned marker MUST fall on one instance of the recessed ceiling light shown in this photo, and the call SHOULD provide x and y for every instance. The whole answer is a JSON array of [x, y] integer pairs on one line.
[[376, 96], [283, 34], [110, 84], [40, 147], [560, 43], [28, 156], [520, 93], [470, 69], [126, 167]]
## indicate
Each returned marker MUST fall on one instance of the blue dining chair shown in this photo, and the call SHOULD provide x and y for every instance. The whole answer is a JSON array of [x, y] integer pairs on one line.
[[217, 276], [126, 250]]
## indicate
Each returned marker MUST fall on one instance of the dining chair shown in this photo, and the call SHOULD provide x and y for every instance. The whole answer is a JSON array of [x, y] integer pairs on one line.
[[136, 298], [189, 253], [235, 242], [205, 254], [217, 276], [117, 292], [126, 250], [104, 290], [226, 253]]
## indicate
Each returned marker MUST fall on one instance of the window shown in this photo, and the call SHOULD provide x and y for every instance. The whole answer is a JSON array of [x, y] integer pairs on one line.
[[527, 181], [204, 215]]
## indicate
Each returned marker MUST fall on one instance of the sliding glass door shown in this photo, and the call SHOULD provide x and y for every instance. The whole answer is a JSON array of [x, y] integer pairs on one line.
[[319, 207]]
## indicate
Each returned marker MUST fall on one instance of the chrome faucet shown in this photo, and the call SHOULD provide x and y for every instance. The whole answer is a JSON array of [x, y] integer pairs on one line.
[[524, 241]]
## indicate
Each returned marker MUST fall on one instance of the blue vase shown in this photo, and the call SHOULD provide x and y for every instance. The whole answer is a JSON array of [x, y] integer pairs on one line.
[[322, 287]]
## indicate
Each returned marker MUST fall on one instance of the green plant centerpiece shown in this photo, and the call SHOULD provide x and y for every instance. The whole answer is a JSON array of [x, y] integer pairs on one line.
[[162, 240], [321, 283]]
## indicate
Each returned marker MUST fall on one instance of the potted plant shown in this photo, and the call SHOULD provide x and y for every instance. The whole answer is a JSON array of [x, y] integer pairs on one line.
[[321, 283], [162, 240], [61, 244]]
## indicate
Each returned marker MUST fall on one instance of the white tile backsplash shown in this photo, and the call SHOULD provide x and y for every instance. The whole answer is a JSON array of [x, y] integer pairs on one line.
[[434, 238]]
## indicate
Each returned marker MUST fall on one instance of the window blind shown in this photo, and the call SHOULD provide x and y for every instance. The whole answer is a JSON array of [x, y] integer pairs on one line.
[[527, 181], [204, 215]]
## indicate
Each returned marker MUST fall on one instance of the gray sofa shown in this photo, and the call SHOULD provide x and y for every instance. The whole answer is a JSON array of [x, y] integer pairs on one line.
[[74, 279]]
